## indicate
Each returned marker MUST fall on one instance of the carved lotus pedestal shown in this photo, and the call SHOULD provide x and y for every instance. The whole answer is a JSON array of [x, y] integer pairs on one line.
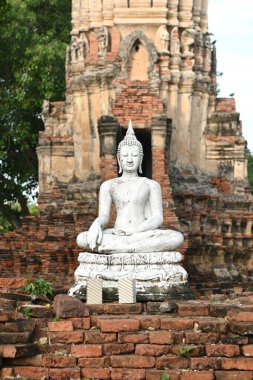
[[158, 275]]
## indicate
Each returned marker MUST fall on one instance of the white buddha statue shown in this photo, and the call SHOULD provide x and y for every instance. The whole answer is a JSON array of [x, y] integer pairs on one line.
[[135, 248], [138, 203]]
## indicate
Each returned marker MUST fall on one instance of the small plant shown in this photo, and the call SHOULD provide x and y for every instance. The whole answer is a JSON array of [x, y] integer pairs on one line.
[[38, 286], [185, 351], [56, 318], [165, 376], [27, 312]]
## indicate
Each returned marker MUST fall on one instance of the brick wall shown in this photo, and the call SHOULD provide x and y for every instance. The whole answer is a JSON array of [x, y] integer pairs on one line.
[[220, 237], [138, 102], [200, 340], [225, 105]]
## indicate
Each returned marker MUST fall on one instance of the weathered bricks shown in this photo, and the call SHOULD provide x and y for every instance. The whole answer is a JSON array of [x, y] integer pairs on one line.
[[65, 336], [211, 325], [96, 373], [136, 346], [133, 361], [122, 309], [240, 363], [53, 349], [138, 337], [178, 324], [6, 372], [118, 348], [35, 373], [97, 337], [34, 361], [173, 362], [148, 322], [118, 325], [231, 338], [192, 350], [94, 362], [247, 350], [127, 374], [201, 364], [157, 374], [228, 350], [193, 309], [64, 373], [13, 283], [241, 327], [161, 337], [151, 349], [14, 337], [233, 375], [18, 326], [241, 316], [67, 307], [60, 326], [58, 361], [200, 338], [208, 375], [88, 351], [218, 310], [17, 350]]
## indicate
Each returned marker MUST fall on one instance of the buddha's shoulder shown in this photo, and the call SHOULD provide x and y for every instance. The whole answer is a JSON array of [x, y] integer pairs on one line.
[[151, 183], [106, 185], [110, 183]]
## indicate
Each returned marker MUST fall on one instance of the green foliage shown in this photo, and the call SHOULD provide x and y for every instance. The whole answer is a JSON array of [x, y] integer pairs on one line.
[[15, 215], [33, 39], [27, 312], [165, 376], [38, 286], [250, 170], [5, 225], [56, 318], [185, 351]]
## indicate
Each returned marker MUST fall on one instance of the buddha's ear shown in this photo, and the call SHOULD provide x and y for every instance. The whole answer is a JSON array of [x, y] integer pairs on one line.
[[140, 167], [120, 167]]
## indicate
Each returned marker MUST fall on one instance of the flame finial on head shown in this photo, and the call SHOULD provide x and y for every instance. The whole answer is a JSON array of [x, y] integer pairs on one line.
[[130, 140], [130, 130]]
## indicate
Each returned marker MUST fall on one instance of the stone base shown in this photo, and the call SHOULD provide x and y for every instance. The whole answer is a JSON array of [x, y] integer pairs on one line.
[[158, 275], [151, 293]]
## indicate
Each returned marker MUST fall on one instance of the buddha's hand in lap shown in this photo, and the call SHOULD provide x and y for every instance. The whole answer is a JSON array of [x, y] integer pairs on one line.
[[123, 232], [95, 235], [133, 235]]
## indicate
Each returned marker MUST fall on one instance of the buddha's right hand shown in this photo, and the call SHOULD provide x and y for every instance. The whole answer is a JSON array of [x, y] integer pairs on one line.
[[95, 235]]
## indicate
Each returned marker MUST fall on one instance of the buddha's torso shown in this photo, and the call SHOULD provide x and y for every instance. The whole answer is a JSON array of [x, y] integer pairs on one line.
[[131, 200]]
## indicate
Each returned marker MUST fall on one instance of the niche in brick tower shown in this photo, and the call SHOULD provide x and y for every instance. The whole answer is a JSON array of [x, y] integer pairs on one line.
[[138, 62]]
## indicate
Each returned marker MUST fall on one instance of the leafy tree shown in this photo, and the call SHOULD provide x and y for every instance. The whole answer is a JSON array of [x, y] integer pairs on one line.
[[33, 39], [250, 170]]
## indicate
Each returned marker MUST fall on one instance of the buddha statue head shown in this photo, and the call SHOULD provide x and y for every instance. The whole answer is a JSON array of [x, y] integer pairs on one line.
[[130, 152]]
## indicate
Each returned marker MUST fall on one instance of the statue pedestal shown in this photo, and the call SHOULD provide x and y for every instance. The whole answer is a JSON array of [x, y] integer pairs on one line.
[[158, 275]]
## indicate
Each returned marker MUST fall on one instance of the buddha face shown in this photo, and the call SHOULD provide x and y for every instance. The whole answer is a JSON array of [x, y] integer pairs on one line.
[[130, 158]]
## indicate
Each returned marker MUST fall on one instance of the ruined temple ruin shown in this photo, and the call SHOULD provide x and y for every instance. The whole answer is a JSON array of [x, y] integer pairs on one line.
[[150, 61]]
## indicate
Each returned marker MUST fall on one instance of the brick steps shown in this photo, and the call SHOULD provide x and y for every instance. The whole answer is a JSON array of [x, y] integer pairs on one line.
[[199, 340], [16, 333]]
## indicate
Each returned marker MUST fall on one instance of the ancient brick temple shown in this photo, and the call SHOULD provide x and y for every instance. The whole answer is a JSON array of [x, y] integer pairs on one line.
[[150, 61]]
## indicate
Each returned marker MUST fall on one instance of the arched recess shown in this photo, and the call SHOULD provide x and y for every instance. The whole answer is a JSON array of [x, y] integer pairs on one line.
[[128, 47], [138, 62]]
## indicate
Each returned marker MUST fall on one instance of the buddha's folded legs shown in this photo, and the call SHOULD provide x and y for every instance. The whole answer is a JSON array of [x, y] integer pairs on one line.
[[148, 241]]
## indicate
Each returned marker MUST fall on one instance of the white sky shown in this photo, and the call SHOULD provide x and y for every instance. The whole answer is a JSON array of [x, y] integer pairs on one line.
[[231, 22]]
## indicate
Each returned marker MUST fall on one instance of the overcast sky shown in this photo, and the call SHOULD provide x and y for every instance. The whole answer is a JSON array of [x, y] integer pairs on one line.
[[231, 21]]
